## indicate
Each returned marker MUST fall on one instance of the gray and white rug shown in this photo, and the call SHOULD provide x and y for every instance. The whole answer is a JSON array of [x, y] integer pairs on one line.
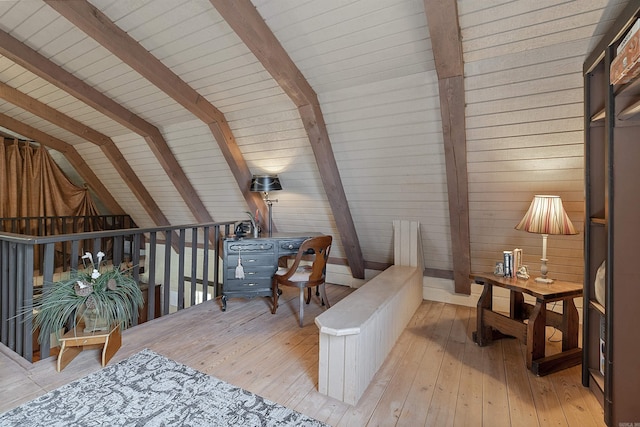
[[148, 389]]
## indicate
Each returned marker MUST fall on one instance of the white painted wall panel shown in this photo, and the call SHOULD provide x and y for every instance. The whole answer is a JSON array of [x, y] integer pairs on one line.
[[273, 140], [136, 150], [345, 44], [368, 63], [110, 178], [42, 125], [388, 144], [371, 65], [26, 82], [88, 62], [523, 79], [199, 155]]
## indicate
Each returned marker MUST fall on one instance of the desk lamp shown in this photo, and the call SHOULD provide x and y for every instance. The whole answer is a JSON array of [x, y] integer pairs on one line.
[[266, 183], [545, 216]]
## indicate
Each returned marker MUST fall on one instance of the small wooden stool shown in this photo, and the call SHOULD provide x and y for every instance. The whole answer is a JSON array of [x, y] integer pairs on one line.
[[76, 340]]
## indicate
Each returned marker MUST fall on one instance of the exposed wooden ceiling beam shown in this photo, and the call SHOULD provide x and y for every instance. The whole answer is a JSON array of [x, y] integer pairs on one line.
[[52, 115], [34, 62], [444, 30], [70, 154], [106, 144], [245, 20], [99, 27]]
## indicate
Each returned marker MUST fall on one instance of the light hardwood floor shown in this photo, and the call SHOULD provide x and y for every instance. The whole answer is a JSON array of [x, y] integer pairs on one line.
[[434, 376]]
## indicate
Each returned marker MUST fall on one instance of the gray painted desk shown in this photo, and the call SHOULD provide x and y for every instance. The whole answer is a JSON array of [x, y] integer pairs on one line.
[[259, 258]]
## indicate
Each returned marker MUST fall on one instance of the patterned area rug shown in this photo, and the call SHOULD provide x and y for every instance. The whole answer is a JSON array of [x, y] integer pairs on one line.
[[148, 389]]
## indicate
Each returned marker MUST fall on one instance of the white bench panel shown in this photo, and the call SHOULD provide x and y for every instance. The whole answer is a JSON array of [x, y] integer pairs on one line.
[[358, 332], [352, 313]]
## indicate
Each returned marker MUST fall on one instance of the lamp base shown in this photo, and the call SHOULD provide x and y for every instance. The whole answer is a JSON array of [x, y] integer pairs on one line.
[[543, 267]]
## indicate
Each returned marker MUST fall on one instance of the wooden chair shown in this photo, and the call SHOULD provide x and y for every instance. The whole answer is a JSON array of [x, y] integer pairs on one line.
[[305, 276]]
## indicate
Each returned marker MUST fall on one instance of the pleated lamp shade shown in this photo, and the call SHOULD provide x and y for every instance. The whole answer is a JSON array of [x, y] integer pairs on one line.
[[546, 215]]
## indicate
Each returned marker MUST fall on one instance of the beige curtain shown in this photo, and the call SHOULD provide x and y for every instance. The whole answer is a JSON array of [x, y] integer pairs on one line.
[[32, 185]]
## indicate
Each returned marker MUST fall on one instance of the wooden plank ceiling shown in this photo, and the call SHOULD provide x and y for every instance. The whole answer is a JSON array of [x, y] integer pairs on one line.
[[244, 19], [166, 108]]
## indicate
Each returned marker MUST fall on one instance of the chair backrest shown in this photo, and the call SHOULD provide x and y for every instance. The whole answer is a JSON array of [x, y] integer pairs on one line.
[[318, 248]]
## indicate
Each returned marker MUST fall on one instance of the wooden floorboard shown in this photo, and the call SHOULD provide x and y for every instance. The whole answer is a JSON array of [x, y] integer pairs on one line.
[[469, 404], [416, 405], [495, 393], [521, 403], [434, 376]]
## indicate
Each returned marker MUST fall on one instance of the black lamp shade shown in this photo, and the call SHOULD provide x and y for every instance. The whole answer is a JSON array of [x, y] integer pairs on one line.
[[265, 183]]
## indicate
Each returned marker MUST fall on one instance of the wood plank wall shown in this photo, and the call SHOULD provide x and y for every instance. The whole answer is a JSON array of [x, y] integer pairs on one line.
[[523, 68], [372, 68]]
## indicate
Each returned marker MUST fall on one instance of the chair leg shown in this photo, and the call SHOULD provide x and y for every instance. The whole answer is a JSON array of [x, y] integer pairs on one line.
[[301, 305], [324, 295], [308, 295], [274, 291]]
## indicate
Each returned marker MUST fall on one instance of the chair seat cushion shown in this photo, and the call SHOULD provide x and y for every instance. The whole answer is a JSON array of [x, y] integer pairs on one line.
[[301, 275]]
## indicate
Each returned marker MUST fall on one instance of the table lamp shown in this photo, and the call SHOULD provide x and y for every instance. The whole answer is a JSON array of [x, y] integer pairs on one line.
[[545, 216], [264, 184]]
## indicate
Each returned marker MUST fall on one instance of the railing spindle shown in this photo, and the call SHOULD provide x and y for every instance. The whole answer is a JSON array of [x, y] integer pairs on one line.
[[21, 255]]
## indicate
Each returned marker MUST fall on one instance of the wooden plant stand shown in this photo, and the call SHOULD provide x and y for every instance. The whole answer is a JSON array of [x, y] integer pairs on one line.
[[76, 340]]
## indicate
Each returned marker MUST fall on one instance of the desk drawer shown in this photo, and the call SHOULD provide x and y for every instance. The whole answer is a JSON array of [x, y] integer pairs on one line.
[[252, 272], [288, 247], [248, 259], [247, 247], [247, 285]]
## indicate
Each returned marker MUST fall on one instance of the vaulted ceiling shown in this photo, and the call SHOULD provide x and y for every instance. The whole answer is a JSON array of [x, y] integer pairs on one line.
[[165, 108]]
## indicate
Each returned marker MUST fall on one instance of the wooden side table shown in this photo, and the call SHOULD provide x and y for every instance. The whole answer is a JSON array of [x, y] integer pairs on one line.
[[76, 340], [492, 325]]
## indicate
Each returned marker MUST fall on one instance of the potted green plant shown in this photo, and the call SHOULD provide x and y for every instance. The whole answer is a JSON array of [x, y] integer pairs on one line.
[[96, 299]]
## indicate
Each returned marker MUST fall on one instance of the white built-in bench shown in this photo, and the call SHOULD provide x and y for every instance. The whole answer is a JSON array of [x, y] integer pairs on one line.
[[358, 332]]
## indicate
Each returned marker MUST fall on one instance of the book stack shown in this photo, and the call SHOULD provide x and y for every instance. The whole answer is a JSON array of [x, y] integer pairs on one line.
[[512, 261], [508, 263]]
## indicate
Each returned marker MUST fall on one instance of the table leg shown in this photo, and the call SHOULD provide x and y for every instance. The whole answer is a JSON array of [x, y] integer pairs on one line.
[[482, 336], [570, 324], [516, 301], [276, 293], [536, 333]]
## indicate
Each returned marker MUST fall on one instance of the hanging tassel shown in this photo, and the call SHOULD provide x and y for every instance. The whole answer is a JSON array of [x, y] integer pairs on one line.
[[239, 269]]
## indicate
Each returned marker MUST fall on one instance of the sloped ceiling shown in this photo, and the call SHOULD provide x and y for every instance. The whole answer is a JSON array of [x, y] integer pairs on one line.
[[372, 67]]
